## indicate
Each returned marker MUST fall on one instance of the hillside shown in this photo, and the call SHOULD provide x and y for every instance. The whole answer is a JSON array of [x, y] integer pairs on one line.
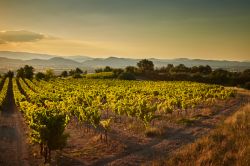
[[24, 55], [111, 61], [78, 58]]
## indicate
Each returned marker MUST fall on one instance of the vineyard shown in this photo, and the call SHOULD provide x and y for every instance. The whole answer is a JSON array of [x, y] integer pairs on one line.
[[96, 101], [49, 108]]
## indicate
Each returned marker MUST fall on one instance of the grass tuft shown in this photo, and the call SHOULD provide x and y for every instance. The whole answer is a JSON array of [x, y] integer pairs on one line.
[[153, 132]]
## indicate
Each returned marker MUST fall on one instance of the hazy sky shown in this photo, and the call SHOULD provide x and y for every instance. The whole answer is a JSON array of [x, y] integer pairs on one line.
[[207, 29]]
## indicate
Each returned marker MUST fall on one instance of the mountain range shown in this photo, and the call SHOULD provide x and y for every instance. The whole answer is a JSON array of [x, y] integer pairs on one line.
[[13, 60]]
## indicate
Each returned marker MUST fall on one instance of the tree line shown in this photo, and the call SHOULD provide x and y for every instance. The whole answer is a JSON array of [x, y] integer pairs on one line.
[[146, 70]]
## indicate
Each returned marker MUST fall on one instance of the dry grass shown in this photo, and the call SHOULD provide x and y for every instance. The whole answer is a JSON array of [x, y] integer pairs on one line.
[[153, 131], [207, 112], [229, 144], [188, 121]]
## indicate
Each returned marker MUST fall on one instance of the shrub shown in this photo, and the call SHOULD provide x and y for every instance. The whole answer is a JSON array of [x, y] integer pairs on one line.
[[126, 76], [40, 76], [77, 75]]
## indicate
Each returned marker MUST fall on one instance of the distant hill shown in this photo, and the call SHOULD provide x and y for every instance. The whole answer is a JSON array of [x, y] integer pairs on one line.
[[24, 55], [56, 63], [14, 60], [111, 61], [78, 58]]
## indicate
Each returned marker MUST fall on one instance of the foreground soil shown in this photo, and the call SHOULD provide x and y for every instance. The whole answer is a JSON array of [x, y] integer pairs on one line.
[[12, 135], [127, 143]]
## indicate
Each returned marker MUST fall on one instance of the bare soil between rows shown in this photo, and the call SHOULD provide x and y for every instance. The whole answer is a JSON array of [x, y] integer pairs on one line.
[[13, 150]]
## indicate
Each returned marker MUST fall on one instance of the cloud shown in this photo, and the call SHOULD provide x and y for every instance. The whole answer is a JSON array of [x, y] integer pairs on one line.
[[19, 36]]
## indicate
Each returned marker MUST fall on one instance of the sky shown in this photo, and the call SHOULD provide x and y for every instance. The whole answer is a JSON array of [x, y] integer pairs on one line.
[[166, 29]]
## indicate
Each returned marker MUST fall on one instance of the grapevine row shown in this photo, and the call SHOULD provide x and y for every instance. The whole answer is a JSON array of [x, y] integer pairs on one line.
[[3, 92]]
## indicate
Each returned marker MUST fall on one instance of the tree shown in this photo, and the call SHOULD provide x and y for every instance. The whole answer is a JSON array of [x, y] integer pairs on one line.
[[20, 73], [201, 69], [77, 75], [247, 85], [28, 71], [78, 71], [194, 69], [220, 76], [107, 69], [98, 70], [165, 69], [126, 76], [131, 69], [205, 69], [170, 66], [71, 72], [181, 68], [40, 76], [246, 72], [145, 65], [49, 74], [117, 72], [25, 72], [9, 74], [64, 74]]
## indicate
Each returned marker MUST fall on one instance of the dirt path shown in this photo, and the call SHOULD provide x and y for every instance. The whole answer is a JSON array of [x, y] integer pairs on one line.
[[12, 137]]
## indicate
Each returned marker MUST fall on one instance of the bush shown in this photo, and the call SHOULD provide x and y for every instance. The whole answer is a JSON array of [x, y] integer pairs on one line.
[[49, 74], [101, 75], [126, 76], [64, 74], [40, 76], [77, 75], [247, 85]]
